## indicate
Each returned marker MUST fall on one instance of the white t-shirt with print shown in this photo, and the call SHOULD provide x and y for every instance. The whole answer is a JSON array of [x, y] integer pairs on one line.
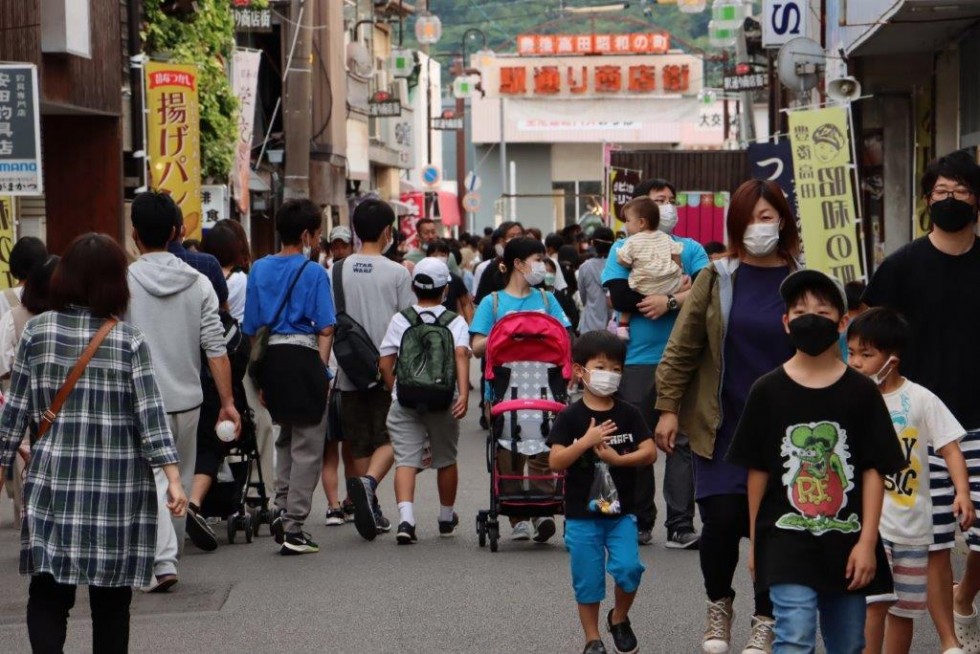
[[921, 420], [399, 325]]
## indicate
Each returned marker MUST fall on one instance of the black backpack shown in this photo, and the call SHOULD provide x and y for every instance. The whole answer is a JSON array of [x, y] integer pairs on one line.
[[356, 353], [426, 368]]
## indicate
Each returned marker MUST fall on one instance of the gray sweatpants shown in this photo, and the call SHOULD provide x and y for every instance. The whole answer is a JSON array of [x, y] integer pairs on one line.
[[170, 530], [299, 463]]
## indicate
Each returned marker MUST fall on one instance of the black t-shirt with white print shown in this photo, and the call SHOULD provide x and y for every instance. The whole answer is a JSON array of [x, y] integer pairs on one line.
[[570, 425], [815, 443]]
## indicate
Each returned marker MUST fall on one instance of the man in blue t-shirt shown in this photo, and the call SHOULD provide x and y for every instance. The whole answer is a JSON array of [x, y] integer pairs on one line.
[[652, 319]]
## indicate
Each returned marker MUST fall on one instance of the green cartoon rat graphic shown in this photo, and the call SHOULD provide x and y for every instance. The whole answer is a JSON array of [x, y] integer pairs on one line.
[[818, 478]]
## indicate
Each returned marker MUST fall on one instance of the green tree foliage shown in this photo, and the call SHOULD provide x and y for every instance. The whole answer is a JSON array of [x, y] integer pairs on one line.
[[207, 39]]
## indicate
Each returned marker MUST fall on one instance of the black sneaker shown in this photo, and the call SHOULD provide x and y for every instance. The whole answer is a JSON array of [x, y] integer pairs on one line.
[[199, 531], [348, 508], [594, 647], [682, 539], [624, 640], [335, 517], [544, 529], [383, 524], [447, 528], [298, 544], [277, 528], [406, 534], [362, 495]]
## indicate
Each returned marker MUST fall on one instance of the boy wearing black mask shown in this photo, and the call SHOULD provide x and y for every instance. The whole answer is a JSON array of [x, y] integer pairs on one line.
[[817, 440], [934, 282]]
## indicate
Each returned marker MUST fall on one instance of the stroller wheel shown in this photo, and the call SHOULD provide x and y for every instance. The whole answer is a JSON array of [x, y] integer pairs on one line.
[[232, 528], [249, 527], [265, 518], [494, 534], [481, 528]]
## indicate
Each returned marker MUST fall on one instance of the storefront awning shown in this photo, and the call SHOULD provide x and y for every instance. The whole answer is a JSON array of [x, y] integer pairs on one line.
[[884, 27]]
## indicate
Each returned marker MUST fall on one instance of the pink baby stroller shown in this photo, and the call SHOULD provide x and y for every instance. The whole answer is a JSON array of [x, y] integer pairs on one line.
[[528, 368]]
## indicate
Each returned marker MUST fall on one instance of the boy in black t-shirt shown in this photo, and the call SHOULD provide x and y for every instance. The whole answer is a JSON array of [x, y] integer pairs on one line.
[[600, 428], [817, 439]]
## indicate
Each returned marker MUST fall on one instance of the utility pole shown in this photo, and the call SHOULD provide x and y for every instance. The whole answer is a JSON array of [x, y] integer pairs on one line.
[[747, 124], [297, 112], [461, 145]]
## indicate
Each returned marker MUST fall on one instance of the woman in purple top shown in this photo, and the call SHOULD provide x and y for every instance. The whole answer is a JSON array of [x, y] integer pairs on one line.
[[729, 333]]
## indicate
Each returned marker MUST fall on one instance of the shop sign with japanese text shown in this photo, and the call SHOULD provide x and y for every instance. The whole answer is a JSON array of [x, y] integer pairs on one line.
[[244, 82], [822, 160], [7, 203], [750, 82], [20, 131], [584, 77], [173, 132], [251, 19], [546, 45], [622, 183], [384, 108], [450, 123]]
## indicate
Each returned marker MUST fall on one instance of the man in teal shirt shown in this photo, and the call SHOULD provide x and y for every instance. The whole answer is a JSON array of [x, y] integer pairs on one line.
[[652, 319]]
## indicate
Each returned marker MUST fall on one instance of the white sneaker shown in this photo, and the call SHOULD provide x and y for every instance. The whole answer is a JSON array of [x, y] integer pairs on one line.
[[967, 632], [762, 637], [522, 531], [954, 650]]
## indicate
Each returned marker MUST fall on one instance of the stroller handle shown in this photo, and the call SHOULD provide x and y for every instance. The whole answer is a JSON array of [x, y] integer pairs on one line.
[[509, 406]]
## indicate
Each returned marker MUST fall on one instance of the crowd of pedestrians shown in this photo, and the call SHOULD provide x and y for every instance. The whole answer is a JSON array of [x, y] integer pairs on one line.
[[832, 426]]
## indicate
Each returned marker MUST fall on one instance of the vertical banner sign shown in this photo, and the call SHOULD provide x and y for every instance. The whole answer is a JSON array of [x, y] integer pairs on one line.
[[824, 168], [173, 132], [244, 82], [774, 161], [6, 240], [701, 216], [622, 183], [923, 155], [20, 131]]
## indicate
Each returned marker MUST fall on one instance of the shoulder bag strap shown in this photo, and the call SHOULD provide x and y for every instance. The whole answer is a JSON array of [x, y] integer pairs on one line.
[[289, 294], [496, 305], [339, 304], [446, 318], [48, 417], [544, 298], [412, 316]]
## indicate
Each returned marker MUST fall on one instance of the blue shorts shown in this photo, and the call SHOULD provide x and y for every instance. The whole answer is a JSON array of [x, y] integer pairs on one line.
[[588, 541], [941, 486]]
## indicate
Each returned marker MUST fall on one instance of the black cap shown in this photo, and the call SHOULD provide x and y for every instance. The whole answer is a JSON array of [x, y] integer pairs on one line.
[[806, 279]]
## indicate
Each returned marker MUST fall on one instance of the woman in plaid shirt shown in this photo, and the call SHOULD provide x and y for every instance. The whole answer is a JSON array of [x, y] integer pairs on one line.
[[89, 497]]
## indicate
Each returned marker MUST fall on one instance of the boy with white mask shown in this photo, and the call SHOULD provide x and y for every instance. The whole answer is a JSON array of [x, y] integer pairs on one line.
[[597, 428]]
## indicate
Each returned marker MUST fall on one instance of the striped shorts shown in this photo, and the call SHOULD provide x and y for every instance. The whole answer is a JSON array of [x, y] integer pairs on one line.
[[941, 487], [910, 566]]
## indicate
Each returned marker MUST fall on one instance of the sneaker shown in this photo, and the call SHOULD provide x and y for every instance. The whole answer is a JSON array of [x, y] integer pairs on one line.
[[406, 534], [718, 634], [644, 536], [161, 584], [382, 524], [335, 517], [300, 543], [967, 632], [447, 528], [624, 640], [683, 539], [277, 528], [348, 508], [594, 647], [544, 529], [199, 531], [954, 650], [522, 531], [362, 495], [762, 636]]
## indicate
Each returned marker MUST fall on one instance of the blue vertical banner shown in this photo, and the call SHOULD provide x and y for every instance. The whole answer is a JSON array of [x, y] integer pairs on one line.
[[774, 161]]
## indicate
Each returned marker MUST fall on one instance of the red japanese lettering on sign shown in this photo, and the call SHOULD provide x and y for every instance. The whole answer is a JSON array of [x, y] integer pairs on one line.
[[547, 80], [172, 78], [642, 79], [677, 78], [513, 80], [580, 84], [608, 79]]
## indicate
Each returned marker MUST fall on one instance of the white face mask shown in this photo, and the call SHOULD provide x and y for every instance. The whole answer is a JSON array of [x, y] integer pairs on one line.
[[499, 249], [536, 275], [761, 239], [388, 244], [886, 369], [668, 218], [307, 249], [602, 382]]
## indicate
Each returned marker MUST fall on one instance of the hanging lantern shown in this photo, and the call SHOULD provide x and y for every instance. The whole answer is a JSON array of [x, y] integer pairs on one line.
[[720, 37], [428, 29], [463, 87], [483, 59], [692, 6], [728, 13]]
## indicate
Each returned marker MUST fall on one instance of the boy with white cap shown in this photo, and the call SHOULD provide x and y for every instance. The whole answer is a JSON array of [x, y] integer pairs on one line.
[[427, 406]]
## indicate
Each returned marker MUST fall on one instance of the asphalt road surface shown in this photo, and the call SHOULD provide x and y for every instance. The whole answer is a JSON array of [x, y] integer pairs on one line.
[[439, 595]]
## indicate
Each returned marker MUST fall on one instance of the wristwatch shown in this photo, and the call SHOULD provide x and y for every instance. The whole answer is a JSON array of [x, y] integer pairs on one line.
[[672, 303]]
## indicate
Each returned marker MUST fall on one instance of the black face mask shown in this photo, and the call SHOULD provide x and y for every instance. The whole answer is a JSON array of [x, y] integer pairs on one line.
[[952, 215], [812, 334]]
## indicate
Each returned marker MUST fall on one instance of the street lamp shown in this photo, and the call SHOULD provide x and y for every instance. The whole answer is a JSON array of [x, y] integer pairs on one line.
[[428, 29], [485, 58]]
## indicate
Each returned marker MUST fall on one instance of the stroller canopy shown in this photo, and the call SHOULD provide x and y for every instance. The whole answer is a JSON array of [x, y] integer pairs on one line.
[[529, 336]]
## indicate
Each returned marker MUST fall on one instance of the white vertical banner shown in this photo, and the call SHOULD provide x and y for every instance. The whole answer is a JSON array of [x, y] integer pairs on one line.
[[244, 83]]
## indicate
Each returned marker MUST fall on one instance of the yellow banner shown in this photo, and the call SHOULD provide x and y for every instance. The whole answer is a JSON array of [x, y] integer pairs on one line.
[[173, 134], [6, 240], [822, 160]]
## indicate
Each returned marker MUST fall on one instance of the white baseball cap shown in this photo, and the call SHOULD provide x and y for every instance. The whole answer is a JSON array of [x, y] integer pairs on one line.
[[430, 273], [341, 233]]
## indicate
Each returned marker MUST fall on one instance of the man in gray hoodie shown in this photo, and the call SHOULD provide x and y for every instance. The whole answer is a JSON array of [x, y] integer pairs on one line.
[[177, 309]]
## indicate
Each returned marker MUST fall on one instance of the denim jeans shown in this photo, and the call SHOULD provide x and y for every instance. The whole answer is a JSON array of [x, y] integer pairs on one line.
[[796, 611]]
